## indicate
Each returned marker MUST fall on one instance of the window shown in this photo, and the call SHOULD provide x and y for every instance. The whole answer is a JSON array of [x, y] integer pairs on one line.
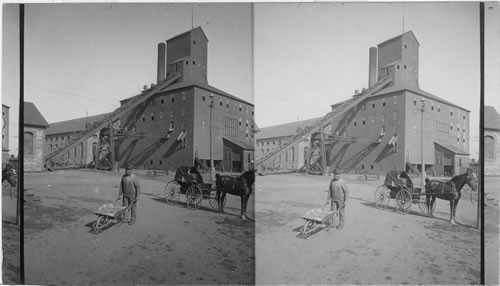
[[373, 105], [432, 106], [172, 113], [458, 127], [489, 148], [383, 102], [246, 121], [451, 126], [363, 107], [187, 62], [373, 118], [414, 101], [143, 118], [405, 66], [152, 116], [194, 62], [240, 107], [362, 167], [406, 47], [29, 143], [171, 127], [398, 66], [371, 167], [183, 112], [451, 112], [194, 43], [162, 101], [172, 98], [161, 114], [395, 99], [364, 121], [394, 116], [160, 162], [220, 102], [464, 117], [227, 104], [383, 118], [240, 121], [203, 97]]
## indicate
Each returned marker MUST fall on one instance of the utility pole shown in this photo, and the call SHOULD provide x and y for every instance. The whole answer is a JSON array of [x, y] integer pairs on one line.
[[422, 109], [212, 169]]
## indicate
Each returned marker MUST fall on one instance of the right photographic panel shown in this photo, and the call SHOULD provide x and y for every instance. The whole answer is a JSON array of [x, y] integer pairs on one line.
[[368, 146]]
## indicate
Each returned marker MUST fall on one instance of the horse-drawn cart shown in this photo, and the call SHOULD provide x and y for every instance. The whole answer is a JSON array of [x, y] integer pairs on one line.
[[188, 181], [398, 186]]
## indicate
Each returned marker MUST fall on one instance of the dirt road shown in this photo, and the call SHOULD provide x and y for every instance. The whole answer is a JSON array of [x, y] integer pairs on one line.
[[167, 245], [375, 247]]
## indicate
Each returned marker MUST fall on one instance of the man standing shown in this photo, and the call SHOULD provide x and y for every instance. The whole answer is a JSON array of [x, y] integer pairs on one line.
[[337, 195], [130, 189]]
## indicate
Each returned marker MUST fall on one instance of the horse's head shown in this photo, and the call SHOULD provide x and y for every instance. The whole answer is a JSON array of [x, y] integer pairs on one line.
[[471, 179]]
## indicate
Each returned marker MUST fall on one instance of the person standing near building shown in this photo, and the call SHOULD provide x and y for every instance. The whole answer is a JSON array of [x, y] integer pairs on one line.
[[337, 196], [130, 190]]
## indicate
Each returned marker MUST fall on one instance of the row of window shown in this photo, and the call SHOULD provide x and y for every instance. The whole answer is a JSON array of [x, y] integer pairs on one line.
[[221, 103], [394, 101], [439, 108], [56, 138]]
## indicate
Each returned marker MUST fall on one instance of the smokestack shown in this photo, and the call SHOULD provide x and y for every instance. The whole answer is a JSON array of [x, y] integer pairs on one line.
[[161, 62], [372, 68]]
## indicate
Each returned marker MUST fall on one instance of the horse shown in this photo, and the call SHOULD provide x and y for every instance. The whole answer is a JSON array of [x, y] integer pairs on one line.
[[451, 191], [239, 186]]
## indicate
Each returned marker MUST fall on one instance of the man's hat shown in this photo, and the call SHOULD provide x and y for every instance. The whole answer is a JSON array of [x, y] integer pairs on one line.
[[127, 167], [336, 172]]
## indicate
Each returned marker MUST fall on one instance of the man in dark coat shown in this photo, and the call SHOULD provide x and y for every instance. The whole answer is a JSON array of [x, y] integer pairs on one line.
[[337, 196], [130, 189]]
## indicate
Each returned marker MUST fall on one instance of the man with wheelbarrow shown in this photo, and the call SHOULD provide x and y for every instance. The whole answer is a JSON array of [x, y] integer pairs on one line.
[[337, 196], [130, 189]]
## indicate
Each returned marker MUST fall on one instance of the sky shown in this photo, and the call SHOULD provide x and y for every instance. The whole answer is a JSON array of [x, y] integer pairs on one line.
[[83, 58], [309, 56]]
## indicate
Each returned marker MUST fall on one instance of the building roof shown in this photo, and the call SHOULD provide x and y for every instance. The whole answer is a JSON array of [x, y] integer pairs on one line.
[[189, 83], [453, 149], [284, 130], [32, 116], [207, 87], [491, 118], [398, 36], [397, 87], [73, 125], [240, 143], [189, 32]]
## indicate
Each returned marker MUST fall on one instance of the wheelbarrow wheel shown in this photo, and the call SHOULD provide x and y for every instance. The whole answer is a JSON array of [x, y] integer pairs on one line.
[[309, 226], [100, 223]]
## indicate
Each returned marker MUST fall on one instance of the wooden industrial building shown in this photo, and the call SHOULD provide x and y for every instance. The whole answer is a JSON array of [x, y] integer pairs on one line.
[[173, 121], [383, 131]]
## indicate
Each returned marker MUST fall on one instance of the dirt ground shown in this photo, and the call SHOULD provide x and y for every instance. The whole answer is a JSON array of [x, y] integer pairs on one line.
[[491, 230], [375, 247], [167, 245], [10, 240]]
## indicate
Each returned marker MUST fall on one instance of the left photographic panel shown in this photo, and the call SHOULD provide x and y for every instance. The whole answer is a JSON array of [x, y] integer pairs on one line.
[[10, 204], [138, 122]]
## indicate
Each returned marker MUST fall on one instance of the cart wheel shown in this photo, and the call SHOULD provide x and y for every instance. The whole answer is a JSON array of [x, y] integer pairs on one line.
[[100, 223], [422, 205], [172, 192], [193, 197], [403, 201], [213, 201], [382, 196]]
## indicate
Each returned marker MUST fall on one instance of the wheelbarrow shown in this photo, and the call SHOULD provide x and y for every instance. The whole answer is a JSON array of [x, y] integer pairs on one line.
[[318, 217], [108, 213]]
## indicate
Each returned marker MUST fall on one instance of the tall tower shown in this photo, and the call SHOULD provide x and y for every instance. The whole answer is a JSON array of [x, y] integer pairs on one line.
[[187, 55], [398, 59]]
